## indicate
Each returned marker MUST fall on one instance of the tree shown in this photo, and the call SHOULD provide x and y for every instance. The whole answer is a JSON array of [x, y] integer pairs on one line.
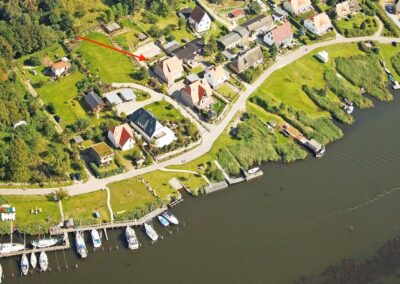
[[273, 50], [61, 194], [19, 161]]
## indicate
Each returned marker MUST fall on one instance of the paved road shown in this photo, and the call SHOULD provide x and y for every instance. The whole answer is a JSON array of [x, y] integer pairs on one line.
[[209, 137]]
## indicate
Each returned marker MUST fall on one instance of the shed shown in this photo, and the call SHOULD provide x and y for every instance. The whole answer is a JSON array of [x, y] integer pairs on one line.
[[141, 36], [113, 98], [127, 94], [77, 139], [323, 56]]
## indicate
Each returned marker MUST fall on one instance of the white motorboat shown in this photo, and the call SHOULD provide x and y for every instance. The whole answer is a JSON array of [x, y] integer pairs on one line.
[[150, 232], [348, 109], [80, 245], [253, 170], [1, 273], [33, 260], [24, 264], [131, 238], [95, 238], [170, 217], [163, 220], [44, 243], [43, 261], [11, 247]]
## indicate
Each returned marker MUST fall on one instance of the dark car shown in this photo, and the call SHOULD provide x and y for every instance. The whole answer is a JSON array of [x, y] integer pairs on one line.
[[57, 118], [394, 43], [72, 176], [78, 176]]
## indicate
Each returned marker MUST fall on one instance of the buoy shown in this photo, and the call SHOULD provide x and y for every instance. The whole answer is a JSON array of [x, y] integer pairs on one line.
[[76, 266]]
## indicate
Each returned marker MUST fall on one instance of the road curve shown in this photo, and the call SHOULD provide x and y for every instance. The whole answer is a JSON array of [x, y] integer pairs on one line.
[[209, 137]]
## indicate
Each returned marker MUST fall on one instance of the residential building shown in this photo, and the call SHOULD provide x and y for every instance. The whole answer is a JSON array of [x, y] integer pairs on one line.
[[112, 27], [230, 40], [197, 95], [101, 153], [397, 9], [237, 13], [282, 35], [150, 128], [60, 68], [94, 102], [279, 15], [347, 8], [189, 52], [318, 24], [169, 69], [185, 13], [259, 25], [250, 58], [216, 75], [199, 20], [297, 6], [121, 137]]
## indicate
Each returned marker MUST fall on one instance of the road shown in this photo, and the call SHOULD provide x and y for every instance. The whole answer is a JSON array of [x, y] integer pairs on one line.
[[209, 137]]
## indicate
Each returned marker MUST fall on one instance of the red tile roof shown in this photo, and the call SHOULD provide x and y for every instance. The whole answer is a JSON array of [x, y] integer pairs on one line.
[[236, 13], [122, 134], [61, 64], [282, 32]]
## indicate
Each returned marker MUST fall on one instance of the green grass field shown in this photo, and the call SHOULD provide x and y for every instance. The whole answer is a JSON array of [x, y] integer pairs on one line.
[[352, 27], [164, 111], [109, 65]]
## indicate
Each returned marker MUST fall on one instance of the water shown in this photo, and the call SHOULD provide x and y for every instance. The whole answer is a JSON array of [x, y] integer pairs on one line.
[[296, 220]]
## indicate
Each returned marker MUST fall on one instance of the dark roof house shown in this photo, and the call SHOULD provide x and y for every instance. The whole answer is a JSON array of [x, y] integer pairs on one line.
[[250, 58], [189, 51], [94, 102], [145, 120], [197, 14]]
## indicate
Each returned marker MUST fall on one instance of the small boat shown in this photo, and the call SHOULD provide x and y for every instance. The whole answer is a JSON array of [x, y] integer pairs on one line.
[[347, 101], [44, 243], [43, 261], [24, 264], [1, 273], [95, 238], [11, 247], [163, 220], [170, 217], [253, 170], [80, 245], [348, 109], [33, 260], [150, 232], [131, 238]]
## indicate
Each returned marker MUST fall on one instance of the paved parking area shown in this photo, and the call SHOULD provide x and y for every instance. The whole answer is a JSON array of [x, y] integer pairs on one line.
[[149, 50]]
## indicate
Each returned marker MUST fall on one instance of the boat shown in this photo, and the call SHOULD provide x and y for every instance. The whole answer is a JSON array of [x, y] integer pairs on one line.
[[321, 152], [131, 238], [163, 220], [10, 247], [43, 261], [253, 170], [347, 101], [150, 232], [170, 217], [95, 238], [33, 260], [44, 243], [24, 264], [1, 273], [80, 245], [348, 109]]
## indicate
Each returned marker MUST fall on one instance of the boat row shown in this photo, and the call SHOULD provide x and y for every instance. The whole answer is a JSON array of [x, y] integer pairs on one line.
[[43, 262], [15, 247]]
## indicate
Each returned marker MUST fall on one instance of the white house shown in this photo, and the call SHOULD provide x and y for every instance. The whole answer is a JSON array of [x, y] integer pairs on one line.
[[297, 6], [282, 35], [318, 24], [121, 137], [216, 75], [199, 20], [151, 129], [60, 68]]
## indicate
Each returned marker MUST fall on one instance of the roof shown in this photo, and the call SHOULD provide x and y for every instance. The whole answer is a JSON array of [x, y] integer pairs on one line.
[[258, 22], [247, 59], [126, 94], [77, 139], [197, 14], [113, 98], [102, 149], [345, 8], [189, 50], [112, 27], [186, 12], [296, 4], [230, 38], [141, 36], [60, 64], [242, 31], [198, 89], [169, 47], [170, 67], [237, 12], [216, 72], [192, 78], [93, 100], [145, 120], [282, 32], [122, 133], [320, 20]]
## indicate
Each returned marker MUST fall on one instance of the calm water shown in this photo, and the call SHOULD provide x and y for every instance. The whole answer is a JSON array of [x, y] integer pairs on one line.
[[294, 221]]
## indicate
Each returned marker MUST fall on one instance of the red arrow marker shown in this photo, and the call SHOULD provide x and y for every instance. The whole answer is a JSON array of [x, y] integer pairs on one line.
[[139, 57]]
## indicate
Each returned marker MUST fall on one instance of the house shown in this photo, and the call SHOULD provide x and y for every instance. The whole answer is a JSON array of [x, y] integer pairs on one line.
[[282, 35], [199, 20], [94, 102], [169, 69], [297, 6], [318, 24], [101, 153], [347, 8], [230, 40], [259, 25], [279, 15], [150, 128], [170, 47], [185, 13], [250, 58], [60, 68], [397, 9], [237, 14], [121, 137], [189, 52], [197, 94], [216, 75]]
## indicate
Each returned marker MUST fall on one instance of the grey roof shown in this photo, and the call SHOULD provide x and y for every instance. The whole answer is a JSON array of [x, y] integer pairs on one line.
[[189, 50], [113, 98], [170, 47], [197, 14], [243, 32], [248, 59], [126, 94], [229, 39], [93, 100], [145, 120], [192, 78], [77, 139], [185, 12], [258, 22]]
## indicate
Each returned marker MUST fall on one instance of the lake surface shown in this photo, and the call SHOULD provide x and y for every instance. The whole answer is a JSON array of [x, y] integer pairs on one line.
[[296, 220]]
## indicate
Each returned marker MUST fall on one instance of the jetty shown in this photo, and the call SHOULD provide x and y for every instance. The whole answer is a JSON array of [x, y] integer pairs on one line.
[[317, 148]]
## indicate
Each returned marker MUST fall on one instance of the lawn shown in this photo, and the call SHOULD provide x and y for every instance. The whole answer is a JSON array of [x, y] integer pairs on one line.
[[128, 40], [387, 51], [86, 13], [358, 25], [81, 207], [129, 194], [227, 91], [109, 65], [163, 110]]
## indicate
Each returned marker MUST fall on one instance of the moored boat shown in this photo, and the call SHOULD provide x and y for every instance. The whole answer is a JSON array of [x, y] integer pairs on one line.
[[95, 238], [348, 109], [1, 273], [43, 261], [131, 238], [150, 232], [163, 221], [80, 245], [253, 170], [33, 260], [24, 264], [10, 247], [347, 101], [170, 217], [44, 243]]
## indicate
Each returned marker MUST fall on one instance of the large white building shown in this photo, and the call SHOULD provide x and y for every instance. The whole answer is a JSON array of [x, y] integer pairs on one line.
[[216, 75], [318, 24], [199, 20]]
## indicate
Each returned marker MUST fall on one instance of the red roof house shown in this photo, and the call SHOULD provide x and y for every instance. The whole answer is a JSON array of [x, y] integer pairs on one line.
[[121, 137]]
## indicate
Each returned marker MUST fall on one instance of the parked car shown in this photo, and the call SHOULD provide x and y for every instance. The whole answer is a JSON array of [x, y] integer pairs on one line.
[[57, 118]]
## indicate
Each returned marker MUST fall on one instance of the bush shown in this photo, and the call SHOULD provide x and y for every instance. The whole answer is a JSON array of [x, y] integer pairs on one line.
[[33, 61], [103, 174], [395, 60]]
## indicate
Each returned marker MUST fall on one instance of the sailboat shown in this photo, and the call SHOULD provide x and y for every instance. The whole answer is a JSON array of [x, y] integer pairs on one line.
[[44, 243], [150, 232], [10, 247], [24, 264], [80, 245], [43, 261], [33, 260], [95, 238]]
